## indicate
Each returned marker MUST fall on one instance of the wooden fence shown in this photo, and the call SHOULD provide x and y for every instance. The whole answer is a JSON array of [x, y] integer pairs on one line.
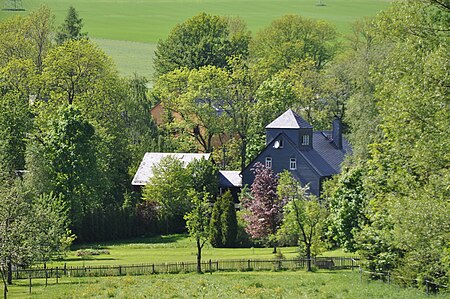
[[184, 267]]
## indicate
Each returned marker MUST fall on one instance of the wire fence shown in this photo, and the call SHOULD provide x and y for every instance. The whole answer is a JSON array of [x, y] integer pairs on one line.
[[332, 263], [430, 286]]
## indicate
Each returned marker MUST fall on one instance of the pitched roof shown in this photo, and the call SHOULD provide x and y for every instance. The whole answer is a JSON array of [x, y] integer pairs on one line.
[[229, 178], [325, 156], [289, 120], [145, 172]]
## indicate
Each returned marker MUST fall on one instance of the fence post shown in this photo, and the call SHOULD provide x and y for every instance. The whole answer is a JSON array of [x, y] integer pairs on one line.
[[46, 277], [210, 266], [153, 268], [65, 269], [57, 275], [120, 270], [248, 265]]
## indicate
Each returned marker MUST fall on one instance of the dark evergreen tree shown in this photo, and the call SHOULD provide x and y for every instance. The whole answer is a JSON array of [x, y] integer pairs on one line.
[[228, 220], [71, 28]]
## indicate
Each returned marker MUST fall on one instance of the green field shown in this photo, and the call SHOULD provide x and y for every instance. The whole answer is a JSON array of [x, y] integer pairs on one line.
[[286, 284], [172, 248], [129, 29]]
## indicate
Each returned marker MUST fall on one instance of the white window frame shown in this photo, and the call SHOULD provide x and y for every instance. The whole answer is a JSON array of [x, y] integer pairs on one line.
[[305, 139], [268, 162], [293, 164]]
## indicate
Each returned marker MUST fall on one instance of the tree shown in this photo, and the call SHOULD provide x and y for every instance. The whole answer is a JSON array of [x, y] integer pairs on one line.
[[197, 222], [194, 95], [203, 177], [200, 41], [291, 39], [304, 212], [223, 224], [71, 28], [75, 70], [70, 168], [168, 187], [347, 202], [264, 206]]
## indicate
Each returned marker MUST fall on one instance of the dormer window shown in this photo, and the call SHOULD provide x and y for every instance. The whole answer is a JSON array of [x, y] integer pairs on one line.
[[278, 143], [305, 140], [293, 164], [268, 162]]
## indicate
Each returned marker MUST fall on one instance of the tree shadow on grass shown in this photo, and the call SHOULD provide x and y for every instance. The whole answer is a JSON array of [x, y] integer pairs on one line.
[[143, 240]]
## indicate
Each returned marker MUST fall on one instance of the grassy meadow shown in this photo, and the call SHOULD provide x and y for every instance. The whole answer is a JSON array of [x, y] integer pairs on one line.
[[129, 29], [171, 248], [285, 284]]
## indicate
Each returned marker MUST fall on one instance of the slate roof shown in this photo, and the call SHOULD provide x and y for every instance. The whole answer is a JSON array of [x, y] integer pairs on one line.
[[229, 179], [144, 172], [324, 156], [289, 120]]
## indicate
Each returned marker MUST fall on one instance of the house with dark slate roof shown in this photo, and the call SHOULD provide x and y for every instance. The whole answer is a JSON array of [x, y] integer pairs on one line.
[[292, 144]]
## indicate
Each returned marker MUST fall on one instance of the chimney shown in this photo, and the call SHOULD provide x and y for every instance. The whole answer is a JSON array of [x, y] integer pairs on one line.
[[337, 133]]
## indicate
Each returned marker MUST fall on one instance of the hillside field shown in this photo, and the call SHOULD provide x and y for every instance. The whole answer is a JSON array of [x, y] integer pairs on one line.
[[127, 30]]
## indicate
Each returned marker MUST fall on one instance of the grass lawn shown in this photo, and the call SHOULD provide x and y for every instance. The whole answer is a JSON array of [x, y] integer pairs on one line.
[[172, 248], [128, 30], [288, 284]]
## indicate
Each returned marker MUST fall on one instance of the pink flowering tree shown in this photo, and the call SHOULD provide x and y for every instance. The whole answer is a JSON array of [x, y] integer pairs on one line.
[[265, 209]]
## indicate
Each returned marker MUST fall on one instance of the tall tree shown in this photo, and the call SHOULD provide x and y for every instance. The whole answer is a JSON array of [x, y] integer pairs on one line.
[[197, 222], [200, 41], [223, 225], [264, 206], [304, 212], [71, 28], [291, 39], [167, 188]]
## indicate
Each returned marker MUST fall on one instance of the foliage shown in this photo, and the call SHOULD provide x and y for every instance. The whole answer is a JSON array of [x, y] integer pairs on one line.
[[292, 39], [264, 205], [197, 222], [167, 187], [71, 28], [70, 168], [200, 41], [223, 225], [346, 202], [304, 213]]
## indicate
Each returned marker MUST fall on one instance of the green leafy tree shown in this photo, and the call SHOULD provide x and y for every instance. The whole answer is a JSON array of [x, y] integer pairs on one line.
[[304, 213], [69, 152], [203, 177], [71, 28], [223, 225], [197, 222], [347, 202], [167, 187], [194, 95], [291, 39], [200, 41]]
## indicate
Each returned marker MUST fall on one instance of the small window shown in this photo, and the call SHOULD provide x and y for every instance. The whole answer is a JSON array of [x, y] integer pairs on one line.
[[293, 164], [305, 140], [278, 143], [269, 162], [281, 142]]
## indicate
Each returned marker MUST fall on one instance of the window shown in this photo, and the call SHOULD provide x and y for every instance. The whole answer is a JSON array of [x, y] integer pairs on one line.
[[269, 162], [278, 143], [293, 164], [305, 140], [281, 142]]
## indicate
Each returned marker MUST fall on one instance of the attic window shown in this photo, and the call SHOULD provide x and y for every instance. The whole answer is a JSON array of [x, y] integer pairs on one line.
[[268, 162], [278, 143], [305, 140], [293, 164]]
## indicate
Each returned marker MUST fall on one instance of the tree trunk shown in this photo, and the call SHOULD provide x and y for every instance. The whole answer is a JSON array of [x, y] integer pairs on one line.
[[308, 257], [199, 257], [9, 272]]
